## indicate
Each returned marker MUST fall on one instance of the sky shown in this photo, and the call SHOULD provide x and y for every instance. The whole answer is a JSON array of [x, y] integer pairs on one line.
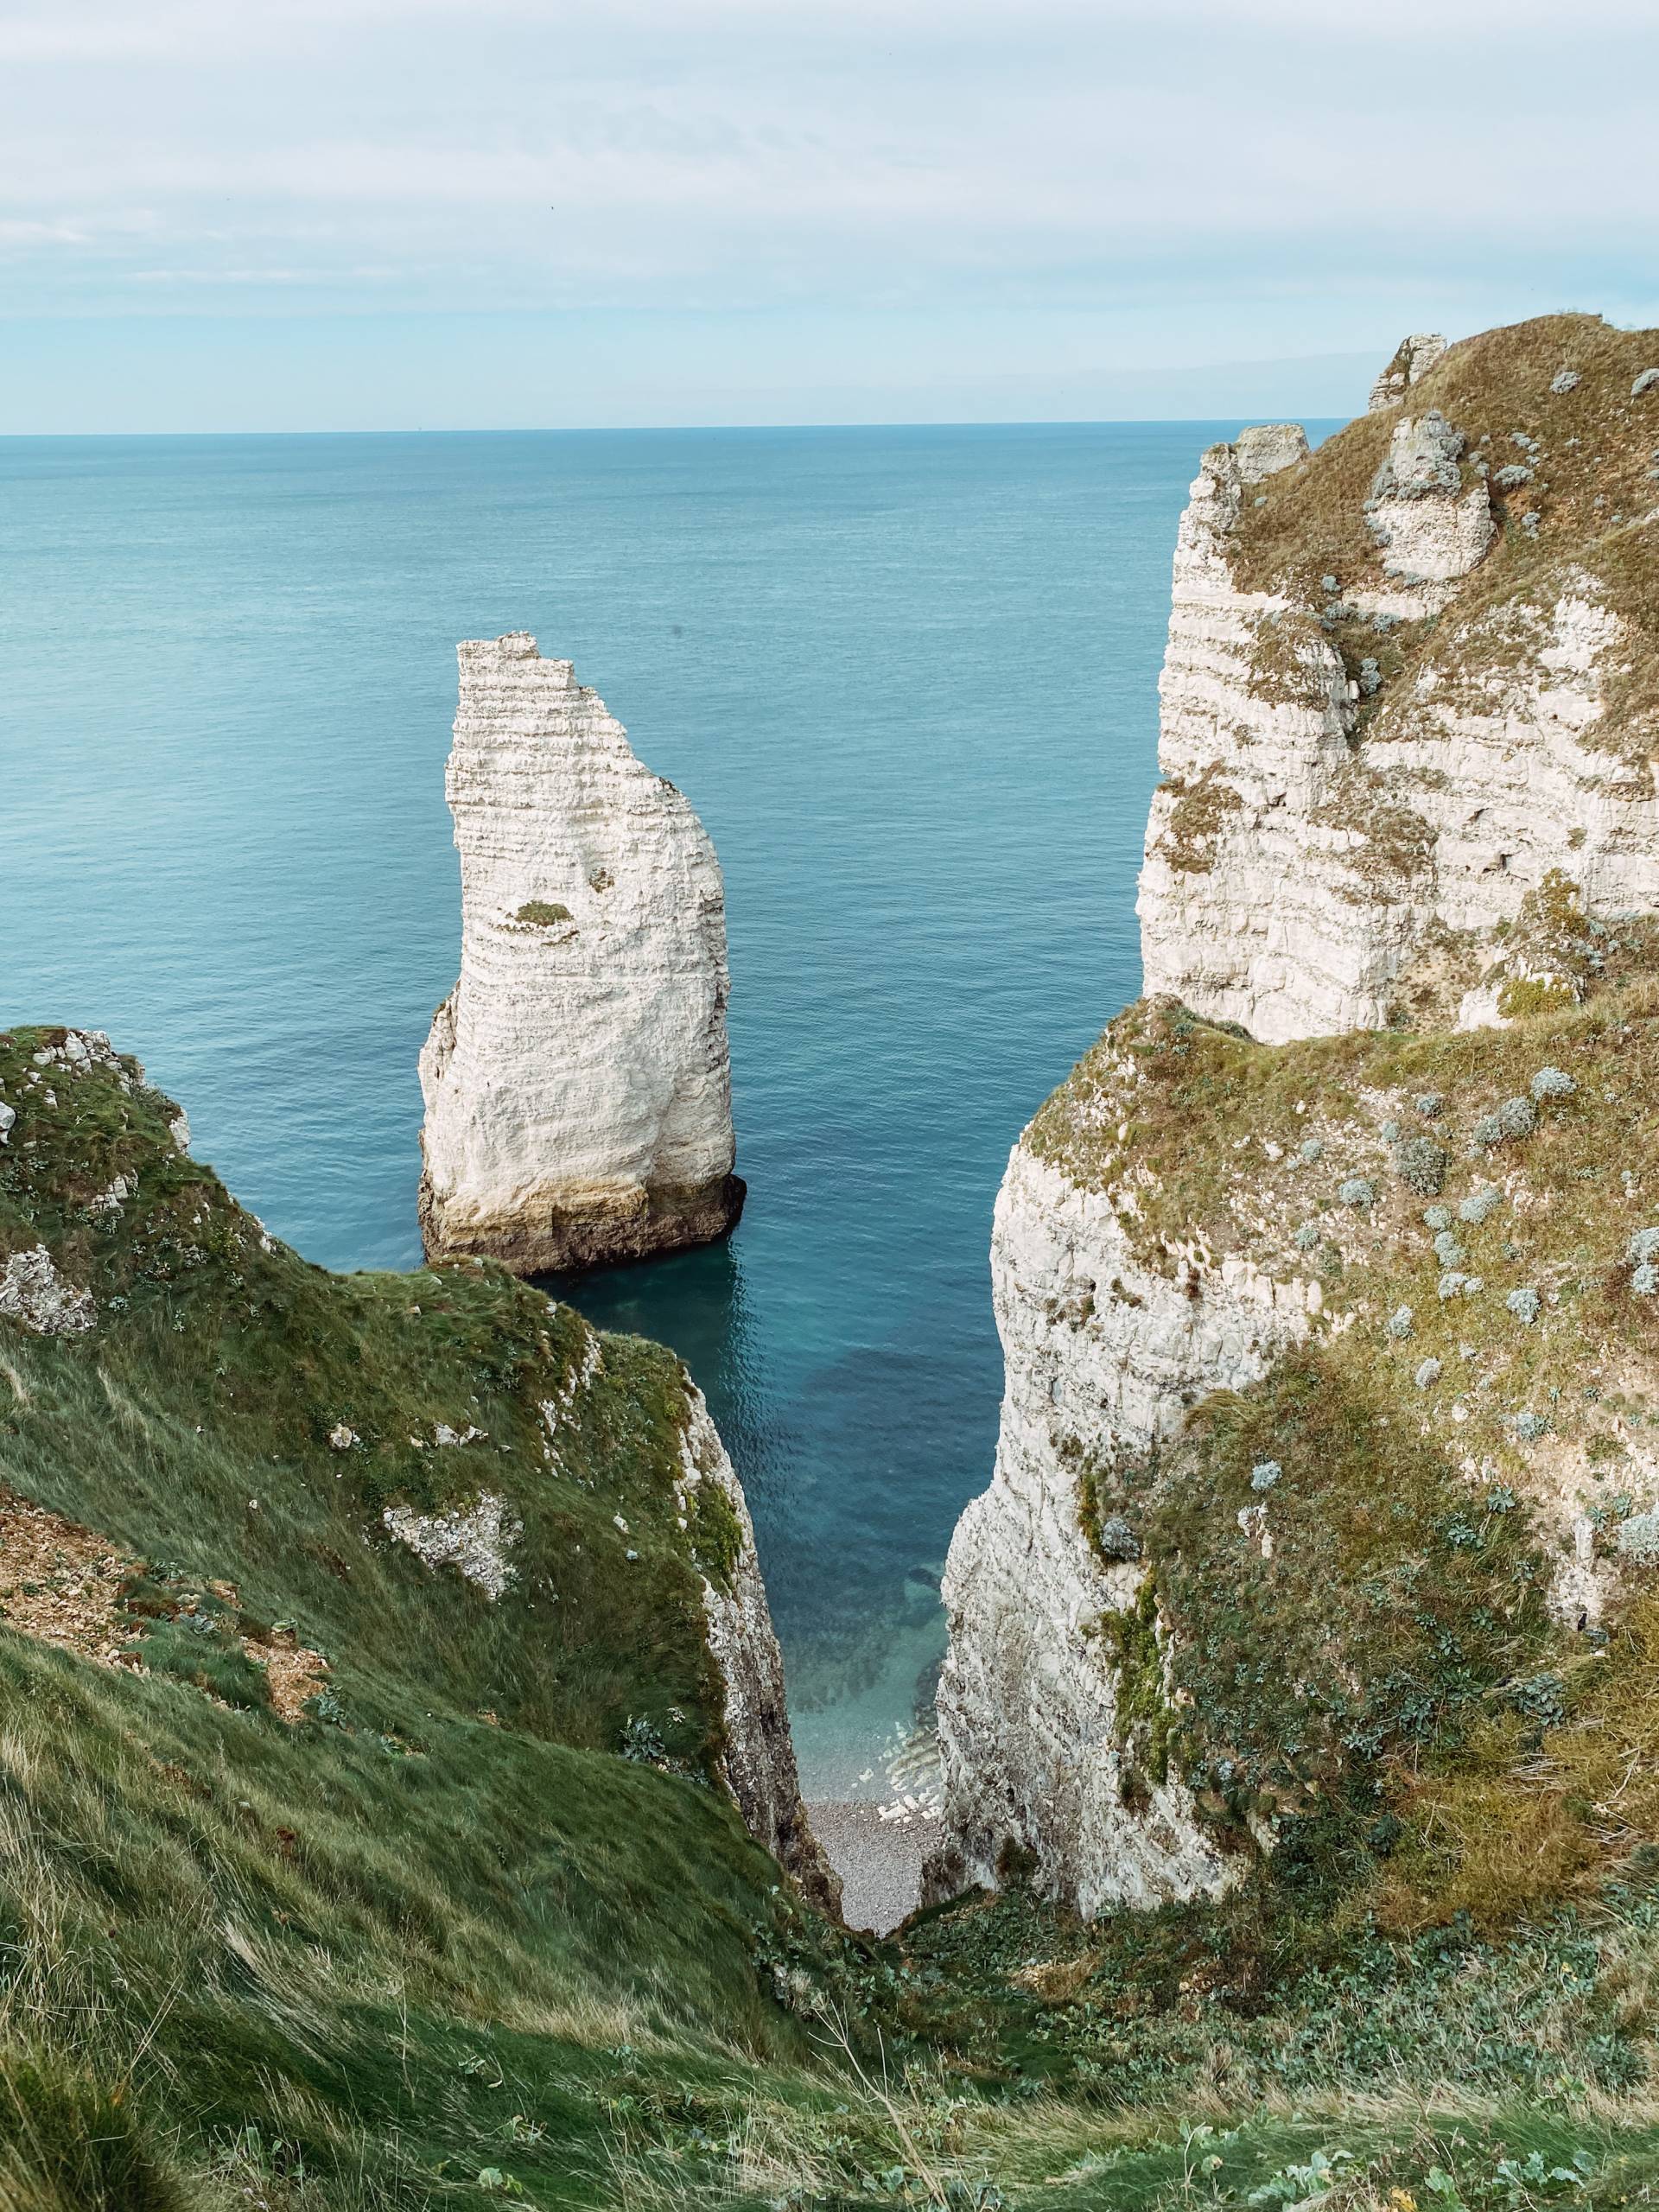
[[387, 214]]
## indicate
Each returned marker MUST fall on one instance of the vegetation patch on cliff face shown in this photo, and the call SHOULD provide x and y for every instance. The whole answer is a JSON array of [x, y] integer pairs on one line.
[[1292, 661], [1391, 842], [1303, 1160], [1334, 1594], [1200, 811]]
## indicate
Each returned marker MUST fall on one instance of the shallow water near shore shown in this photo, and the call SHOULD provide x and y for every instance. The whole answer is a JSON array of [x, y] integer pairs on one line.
[[908, 679]]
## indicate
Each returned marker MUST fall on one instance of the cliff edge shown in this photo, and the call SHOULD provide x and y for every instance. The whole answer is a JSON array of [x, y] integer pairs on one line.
[[542, 1518], [1407, 676]]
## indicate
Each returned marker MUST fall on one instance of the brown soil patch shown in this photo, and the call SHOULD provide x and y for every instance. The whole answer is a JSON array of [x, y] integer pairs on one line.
[[62, 1585], [1057, 1981], [295, 1674]]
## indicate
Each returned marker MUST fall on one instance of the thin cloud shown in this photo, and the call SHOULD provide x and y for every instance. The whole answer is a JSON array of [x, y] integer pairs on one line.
[[1247, 175]]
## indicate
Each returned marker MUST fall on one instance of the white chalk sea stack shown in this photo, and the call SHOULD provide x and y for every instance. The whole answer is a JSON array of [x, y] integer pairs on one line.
[[577, 1079]]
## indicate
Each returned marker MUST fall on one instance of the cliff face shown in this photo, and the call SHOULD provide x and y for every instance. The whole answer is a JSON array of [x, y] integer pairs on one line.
[[1321, 1355], [757, 1759], [577, 1080], [1103, 1350], [1407, 676]]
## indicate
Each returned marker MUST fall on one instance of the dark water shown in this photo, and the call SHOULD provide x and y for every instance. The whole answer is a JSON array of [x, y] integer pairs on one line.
[[907, 677]]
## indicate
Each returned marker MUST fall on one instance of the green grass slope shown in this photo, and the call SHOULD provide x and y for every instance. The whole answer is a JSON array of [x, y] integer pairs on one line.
[[343, 1931]]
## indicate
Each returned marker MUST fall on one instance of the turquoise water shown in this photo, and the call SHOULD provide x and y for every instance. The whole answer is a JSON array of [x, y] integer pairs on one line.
[[907, 677]]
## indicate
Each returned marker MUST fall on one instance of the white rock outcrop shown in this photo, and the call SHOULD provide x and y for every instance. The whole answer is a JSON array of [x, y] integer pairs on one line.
[[33, 1292], [1431, 529], [1238, 911], [1102, 1358], [576, 1080], [758, 1759], [1414, 357], [476, 1539]]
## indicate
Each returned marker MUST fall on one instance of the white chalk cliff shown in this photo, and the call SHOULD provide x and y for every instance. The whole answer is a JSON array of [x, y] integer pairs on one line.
[[1102, 1358], [1407, 678], [1371, 748], [577, 1080]]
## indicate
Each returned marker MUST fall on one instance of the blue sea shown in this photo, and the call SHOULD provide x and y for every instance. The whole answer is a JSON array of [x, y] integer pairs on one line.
[[908, 679]]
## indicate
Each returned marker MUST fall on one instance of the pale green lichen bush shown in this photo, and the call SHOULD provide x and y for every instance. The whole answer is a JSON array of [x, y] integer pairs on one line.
[[1422, 1163], [1637, 1539], [1515, 1118]]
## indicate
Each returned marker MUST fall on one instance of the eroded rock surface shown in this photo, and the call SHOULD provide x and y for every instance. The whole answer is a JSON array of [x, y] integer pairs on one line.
[[577, 1080], [33, 1292], [1103, 1356], [1414, 357], [475, 1538], [1407, 677]]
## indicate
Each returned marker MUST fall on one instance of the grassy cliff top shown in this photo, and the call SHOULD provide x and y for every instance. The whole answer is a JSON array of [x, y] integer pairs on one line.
[[1333, 1161], [1588, 449], [245, 1416], [1569, 452]]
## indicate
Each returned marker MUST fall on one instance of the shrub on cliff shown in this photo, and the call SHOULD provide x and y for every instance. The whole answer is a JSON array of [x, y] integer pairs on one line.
[[1422, 1163]]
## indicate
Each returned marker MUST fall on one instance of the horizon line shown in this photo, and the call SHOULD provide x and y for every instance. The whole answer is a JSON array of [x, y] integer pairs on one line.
[[676, 430]]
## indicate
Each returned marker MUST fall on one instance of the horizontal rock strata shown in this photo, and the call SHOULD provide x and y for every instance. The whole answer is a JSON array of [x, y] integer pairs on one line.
[[1410, 710], [1405, 680], [1103, 1355], [577, 1081]]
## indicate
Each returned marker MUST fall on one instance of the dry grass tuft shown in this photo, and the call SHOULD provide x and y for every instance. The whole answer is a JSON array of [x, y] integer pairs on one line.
[[1525, 1824]]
